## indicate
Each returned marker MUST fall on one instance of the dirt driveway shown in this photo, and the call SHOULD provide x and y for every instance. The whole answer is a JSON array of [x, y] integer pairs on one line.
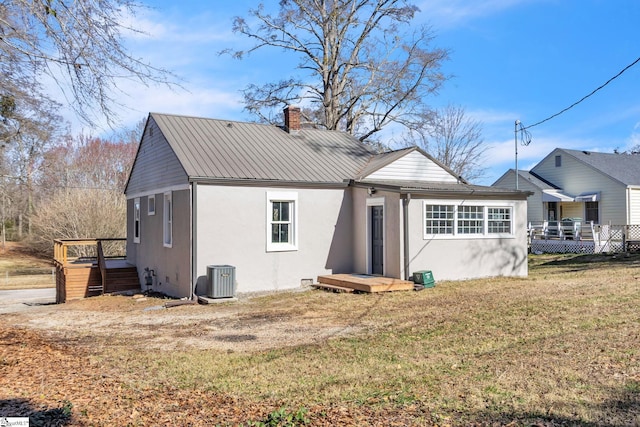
[[253, 322]]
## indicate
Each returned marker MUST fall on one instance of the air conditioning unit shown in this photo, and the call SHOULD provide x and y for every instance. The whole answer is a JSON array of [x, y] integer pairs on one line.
[[221, 281]]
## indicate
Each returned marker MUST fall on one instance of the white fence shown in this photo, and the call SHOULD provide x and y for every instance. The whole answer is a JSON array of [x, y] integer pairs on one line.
[[578, 237]]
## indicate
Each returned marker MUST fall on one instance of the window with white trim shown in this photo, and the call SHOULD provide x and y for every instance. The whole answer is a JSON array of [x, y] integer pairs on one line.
[[151, 208], [439, 219], [136, 220], [498, 220], [460, 219], [470, 219], [167, 220], [282, 221]]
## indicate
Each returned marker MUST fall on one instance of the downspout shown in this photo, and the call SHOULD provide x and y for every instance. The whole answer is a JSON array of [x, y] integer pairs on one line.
[[194, 239], [405, 226]]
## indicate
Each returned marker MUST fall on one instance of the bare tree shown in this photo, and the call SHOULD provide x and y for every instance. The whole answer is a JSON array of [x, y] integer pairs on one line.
[[81, 213], [454, 139], [360, 66], [84, 179], [79, 44]]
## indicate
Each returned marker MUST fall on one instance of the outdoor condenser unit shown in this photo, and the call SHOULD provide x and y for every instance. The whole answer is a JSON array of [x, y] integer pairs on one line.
[[221, 281]]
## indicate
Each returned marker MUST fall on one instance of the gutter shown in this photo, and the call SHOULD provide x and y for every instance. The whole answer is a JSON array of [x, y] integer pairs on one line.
[[266, 182]]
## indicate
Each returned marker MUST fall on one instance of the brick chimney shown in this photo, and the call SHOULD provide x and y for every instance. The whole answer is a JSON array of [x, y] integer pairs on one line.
[[292, 119]]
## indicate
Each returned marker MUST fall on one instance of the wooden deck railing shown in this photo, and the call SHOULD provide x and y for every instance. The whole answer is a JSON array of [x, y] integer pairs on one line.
[[61, 250], [88, 267], [102, 263]]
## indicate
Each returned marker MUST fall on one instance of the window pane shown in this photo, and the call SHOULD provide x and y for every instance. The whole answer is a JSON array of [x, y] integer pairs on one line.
[[439, 219], [280, 211], [280, 233], [284, 211], [499, 220], [470, 219]]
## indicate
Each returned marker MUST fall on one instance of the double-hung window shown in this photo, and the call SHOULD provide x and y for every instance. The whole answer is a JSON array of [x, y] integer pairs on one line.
[[167, 220], [439, 219], [470, 219], [282, 221], [499, 220], [136, 220], [461, 219]]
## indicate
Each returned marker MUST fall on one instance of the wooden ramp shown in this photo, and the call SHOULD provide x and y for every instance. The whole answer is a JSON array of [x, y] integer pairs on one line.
[[362, 283]]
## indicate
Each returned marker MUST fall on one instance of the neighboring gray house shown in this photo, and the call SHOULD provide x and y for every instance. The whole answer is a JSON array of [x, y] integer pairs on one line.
[[599, 187], [284, 205]]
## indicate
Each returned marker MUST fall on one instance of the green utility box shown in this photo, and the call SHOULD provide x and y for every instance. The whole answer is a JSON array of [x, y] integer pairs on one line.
[[425, 278]]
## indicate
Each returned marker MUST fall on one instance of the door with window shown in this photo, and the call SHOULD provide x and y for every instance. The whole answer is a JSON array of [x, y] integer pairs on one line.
[[552, 212], [377, 242]]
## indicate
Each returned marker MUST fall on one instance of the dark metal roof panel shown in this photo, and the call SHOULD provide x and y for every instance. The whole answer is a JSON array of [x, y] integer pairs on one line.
[[236, 150]]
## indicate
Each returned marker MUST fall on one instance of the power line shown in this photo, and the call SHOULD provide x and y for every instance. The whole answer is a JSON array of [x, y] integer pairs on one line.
[[586, 96]]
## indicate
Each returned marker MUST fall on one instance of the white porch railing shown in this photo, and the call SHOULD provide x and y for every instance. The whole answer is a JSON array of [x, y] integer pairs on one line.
[[573, 236]]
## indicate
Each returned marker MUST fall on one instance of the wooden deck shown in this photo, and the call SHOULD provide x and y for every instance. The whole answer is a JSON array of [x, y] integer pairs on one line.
[[362, 283], [78, 278]]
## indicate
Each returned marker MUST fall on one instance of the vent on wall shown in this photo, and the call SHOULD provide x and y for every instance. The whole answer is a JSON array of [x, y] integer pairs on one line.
[[221, 281]]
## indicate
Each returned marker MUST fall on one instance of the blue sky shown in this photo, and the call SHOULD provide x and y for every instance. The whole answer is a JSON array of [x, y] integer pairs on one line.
[[510, 60]]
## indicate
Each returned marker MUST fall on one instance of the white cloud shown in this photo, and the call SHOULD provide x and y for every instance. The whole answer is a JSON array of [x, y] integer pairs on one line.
[[450, 13]]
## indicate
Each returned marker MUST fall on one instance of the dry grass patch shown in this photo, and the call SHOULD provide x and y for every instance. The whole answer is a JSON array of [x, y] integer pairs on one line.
[[560, 347], [21, 269]]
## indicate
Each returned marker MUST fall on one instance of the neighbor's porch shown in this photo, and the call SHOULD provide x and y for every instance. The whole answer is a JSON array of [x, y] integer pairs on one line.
[[574, 236], [90, 267]]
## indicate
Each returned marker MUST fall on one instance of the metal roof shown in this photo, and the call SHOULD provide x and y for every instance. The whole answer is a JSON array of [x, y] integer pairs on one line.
[[441, 187], [223, 149], [624, 168]]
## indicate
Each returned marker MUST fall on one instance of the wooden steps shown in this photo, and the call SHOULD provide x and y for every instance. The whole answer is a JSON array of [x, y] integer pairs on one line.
[[363, 283], [122, 279]]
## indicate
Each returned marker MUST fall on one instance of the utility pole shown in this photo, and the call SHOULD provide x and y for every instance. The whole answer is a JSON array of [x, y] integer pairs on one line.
[[515, 134]]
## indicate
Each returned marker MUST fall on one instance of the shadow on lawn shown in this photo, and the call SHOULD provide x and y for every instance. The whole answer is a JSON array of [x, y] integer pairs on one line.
[[622, 409], [18, 408]]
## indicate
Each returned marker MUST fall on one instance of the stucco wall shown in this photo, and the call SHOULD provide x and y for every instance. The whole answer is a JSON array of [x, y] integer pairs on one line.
[[392, 231], [172, 265], [231, 230], [456, 259]]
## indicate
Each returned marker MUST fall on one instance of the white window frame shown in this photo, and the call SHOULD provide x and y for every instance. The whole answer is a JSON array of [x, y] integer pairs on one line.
[[167, 219], [498, 222], [455, 229], [290, 197], [136, 220], [151, 205]]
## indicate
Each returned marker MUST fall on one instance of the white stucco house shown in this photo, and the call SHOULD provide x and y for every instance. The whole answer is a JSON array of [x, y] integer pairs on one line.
[[283, 205], [599, 187]]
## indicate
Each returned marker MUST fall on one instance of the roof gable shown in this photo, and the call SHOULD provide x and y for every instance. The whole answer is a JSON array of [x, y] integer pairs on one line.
[[156, 164], [624, 168], [507, 180], [408, 164]]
